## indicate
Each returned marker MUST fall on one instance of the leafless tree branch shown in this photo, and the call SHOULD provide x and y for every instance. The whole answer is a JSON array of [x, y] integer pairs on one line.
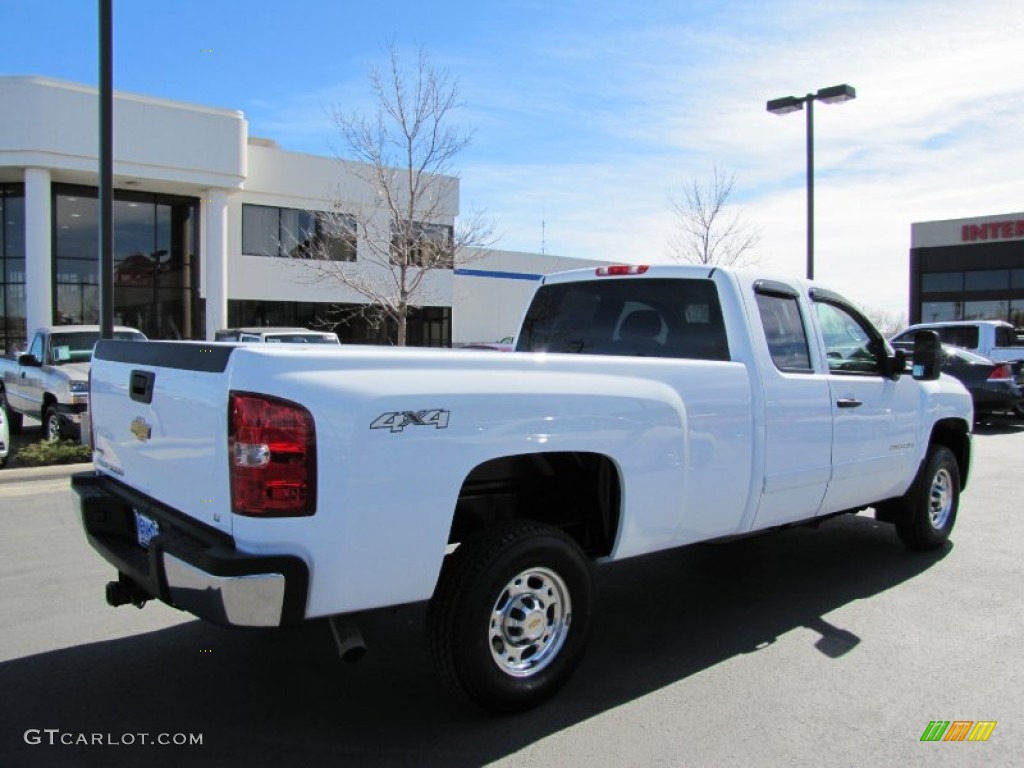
[[708, 231], [405, 152]]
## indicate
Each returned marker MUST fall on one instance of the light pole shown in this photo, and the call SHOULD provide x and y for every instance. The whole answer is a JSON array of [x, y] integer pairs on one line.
[[832, 95]]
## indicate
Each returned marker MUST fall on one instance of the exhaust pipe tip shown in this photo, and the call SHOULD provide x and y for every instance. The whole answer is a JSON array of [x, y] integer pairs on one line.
[[126, 593], [349, 641]]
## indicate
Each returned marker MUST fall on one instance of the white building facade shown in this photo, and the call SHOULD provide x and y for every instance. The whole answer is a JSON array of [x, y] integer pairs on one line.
[[206, 220]]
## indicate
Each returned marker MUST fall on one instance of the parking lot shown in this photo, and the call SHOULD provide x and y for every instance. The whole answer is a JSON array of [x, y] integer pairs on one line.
[[827, 646]]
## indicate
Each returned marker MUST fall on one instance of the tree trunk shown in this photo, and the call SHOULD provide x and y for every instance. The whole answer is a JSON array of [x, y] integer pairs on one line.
[[403, 323]]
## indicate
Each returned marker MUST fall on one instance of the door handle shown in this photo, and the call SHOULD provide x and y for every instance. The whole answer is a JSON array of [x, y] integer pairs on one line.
[[849, 402]]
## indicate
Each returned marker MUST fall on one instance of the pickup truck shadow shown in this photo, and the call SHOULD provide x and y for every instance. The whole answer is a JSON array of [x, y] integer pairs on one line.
[[283, 698], [1001, 424]]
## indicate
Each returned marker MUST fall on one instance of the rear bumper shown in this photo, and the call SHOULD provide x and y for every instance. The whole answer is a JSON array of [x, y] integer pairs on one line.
[[189, 565]]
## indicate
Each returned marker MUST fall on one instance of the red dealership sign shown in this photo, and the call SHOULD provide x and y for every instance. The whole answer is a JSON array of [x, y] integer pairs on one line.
[[992, 230]]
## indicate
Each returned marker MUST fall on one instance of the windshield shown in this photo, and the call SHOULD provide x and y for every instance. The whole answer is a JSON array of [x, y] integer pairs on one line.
[[77, 347]]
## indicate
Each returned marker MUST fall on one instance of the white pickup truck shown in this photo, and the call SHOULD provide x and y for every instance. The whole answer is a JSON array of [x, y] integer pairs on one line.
[[50, 382], [645, 408], [994, 339]]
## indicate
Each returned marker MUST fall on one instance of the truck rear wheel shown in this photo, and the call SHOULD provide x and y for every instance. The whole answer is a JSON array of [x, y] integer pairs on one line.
[[932, 502], [511, 615]]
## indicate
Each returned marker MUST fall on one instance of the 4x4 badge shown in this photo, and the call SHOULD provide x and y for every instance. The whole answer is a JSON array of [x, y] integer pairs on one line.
[[141, 429], [396, 421]]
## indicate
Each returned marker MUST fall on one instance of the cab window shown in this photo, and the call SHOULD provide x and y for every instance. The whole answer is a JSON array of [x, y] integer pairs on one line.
[[850, 345]]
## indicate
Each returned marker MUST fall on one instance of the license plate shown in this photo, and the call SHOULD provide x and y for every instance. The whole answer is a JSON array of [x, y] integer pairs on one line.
[[145, 529]]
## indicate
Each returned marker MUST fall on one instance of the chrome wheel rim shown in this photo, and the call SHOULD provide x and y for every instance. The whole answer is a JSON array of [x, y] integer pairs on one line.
[[53, 428], [529, 622], [940, 499]]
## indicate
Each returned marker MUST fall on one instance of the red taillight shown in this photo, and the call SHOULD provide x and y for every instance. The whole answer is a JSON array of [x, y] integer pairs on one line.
[[272, 450], [621, 269], [1001, 372]]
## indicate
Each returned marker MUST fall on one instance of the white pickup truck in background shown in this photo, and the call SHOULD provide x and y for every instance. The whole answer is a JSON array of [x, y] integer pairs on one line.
[[995, 339], [276, 335], [50, 382], [644, 409]]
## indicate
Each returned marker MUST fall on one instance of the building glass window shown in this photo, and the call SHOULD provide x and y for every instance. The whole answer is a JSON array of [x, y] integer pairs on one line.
[[295, 233], [1017, 279], [986, 310], [13, 333], [354, 323], [260, 230], [427, 245], [155, 265], [987, 280], [942, 282], [1017, 312], [939, 311]]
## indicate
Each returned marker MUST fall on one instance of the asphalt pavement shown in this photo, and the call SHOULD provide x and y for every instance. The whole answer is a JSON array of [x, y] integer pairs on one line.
[[827, 646]]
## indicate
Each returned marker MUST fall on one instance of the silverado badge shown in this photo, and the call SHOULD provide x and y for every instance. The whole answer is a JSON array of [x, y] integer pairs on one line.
[[141, 429]]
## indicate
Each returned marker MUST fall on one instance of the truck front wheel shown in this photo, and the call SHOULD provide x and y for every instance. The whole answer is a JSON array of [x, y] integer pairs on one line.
[[511, 615], [52, 428], [932, 502]]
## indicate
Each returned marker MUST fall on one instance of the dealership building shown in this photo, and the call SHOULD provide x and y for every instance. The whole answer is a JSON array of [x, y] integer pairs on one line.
[[968, 269], [208, 225]]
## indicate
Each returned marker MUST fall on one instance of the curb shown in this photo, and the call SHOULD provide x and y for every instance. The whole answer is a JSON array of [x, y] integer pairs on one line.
[[52, 472]]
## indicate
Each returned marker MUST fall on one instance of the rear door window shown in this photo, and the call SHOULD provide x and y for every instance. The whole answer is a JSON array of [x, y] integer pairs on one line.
[[784, 332], [959, 335]]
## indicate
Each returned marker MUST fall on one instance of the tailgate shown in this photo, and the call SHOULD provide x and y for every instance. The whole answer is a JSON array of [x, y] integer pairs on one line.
[[160, 423]]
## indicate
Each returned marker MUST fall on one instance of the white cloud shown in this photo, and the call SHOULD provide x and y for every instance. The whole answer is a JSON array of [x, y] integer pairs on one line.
[[587, 118]]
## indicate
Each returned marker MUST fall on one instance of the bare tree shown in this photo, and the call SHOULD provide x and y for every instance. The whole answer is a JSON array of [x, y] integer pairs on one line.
[[887, 323], [404, 152], [708, 231]]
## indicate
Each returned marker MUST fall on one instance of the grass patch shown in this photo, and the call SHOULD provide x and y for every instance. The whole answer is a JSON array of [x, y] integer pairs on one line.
[[43, 454]]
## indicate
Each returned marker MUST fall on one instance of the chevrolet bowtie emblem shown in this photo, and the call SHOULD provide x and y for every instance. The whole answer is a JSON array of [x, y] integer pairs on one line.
[[141, 429]]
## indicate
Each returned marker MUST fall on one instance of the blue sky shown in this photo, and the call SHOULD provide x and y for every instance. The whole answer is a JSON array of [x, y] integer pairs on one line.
[[587, 114]]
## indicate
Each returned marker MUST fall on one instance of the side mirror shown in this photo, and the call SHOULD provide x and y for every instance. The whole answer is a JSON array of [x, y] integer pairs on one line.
[[29, 361], [927, 356]]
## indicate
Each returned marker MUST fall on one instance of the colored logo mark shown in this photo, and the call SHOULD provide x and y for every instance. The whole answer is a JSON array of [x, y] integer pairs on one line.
[[958, 730]]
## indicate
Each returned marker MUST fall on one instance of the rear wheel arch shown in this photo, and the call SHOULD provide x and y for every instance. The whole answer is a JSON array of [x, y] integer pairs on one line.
[[577, 492]]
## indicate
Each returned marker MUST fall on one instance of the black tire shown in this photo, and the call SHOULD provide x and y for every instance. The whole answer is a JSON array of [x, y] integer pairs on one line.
[[932, 502], [53, 428], [1018, 410], [509, 652], [14, 422]]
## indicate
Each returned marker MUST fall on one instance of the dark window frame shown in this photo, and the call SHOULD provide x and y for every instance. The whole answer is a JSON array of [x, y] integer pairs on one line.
[[338, 247]]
